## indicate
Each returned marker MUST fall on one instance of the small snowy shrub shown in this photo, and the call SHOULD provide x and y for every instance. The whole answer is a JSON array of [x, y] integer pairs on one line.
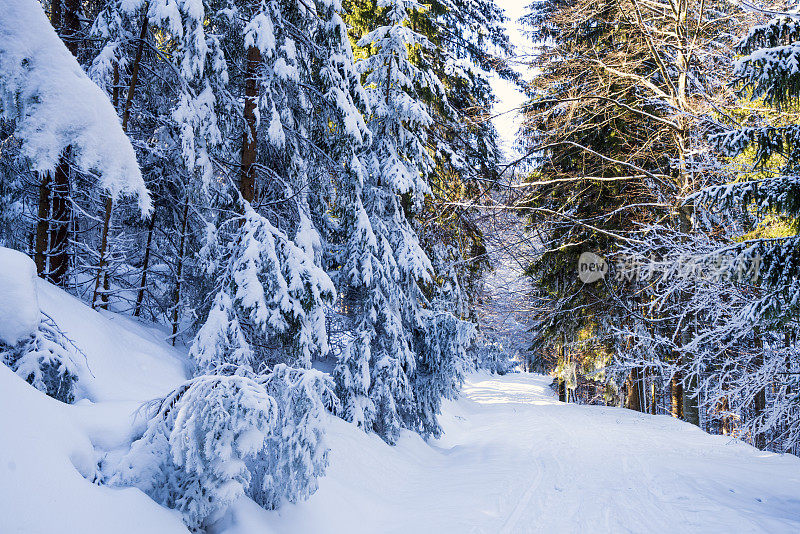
[[216, 438], [192, 455], [296, 455], [45, 360]]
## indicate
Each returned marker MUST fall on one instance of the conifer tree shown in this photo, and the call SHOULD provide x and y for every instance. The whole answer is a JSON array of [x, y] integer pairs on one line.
[[391, 376]]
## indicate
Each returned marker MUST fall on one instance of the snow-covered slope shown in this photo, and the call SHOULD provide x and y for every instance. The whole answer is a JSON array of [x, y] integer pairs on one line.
[[513, 459], [47, 448]]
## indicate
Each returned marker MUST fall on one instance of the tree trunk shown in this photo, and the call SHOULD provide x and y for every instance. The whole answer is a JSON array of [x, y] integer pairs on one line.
[[247, 179], [101, 271], [760, 401], [43, 227], [109, 203], [726, 420], [562, 390], [176, 300], [634, 400], [145, 264], [691, 408], [676, 391], [653, 397]]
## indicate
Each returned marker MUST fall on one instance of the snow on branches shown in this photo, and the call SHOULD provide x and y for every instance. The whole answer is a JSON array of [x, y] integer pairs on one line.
[[55, 105]]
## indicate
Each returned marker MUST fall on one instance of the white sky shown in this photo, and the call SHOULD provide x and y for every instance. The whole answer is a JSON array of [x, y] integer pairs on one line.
[[508, 97]]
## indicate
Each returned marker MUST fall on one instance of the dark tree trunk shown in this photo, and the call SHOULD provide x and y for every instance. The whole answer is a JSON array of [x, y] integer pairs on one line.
[[634, 399], [109, 203], [760, 401], [676, 393], [145, 265], [247, 179], [43, 227]]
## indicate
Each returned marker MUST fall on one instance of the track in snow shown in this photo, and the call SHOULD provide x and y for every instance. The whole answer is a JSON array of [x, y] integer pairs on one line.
[[514, 460]]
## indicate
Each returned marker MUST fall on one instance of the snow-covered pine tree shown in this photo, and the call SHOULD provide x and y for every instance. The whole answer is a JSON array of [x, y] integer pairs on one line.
[[300, 123], [391, 375]]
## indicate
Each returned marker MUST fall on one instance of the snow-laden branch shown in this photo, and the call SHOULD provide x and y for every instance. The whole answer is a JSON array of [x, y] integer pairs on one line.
[[55, 105]]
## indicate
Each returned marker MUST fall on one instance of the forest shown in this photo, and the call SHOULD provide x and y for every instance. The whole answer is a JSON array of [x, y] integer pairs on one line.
[[312, 203]]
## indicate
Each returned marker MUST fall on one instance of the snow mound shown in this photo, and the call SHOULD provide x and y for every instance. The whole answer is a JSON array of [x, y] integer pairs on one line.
[[44, 464], [19, 305]]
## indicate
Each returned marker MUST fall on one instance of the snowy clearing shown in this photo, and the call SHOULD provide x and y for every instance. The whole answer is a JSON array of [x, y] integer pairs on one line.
[[512, 459]]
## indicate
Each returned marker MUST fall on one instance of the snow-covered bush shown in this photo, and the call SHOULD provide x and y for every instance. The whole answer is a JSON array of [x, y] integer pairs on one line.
[[192, 454], [296, 455], [31, 344], [45, 360], [219, 437]]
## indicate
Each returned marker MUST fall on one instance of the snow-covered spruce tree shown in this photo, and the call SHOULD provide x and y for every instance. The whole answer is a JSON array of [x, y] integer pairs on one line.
[[301, 125], [462, 141], [269, 305], [761, 375], [403, 357]]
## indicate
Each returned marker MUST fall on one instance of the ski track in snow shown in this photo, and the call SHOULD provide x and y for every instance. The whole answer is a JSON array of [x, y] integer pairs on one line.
[[515, 460]]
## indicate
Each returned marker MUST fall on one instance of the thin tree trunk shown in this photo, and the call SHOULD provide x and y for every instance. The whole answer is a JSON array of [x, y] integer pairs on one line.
[[676, 391], [43, 226], [179, 272], [726, 420], [760, 401], [109, 202], [653, 395], [634, 400], [145, 265], [247, 179]]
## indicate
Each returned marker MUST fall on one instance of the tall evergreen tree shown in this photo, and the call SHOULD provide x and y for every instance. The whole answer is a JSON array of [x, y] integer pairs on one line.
[[389, 366]]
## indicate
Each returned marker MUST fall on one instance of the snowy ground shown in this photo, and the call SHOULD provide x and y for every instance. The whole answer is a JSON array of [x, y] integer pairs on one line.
[[513, 459]]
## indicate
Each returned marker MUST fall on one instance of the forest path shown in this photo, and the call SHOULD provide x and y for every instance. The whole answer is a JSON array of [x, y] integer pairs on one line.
[[513, 459]]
